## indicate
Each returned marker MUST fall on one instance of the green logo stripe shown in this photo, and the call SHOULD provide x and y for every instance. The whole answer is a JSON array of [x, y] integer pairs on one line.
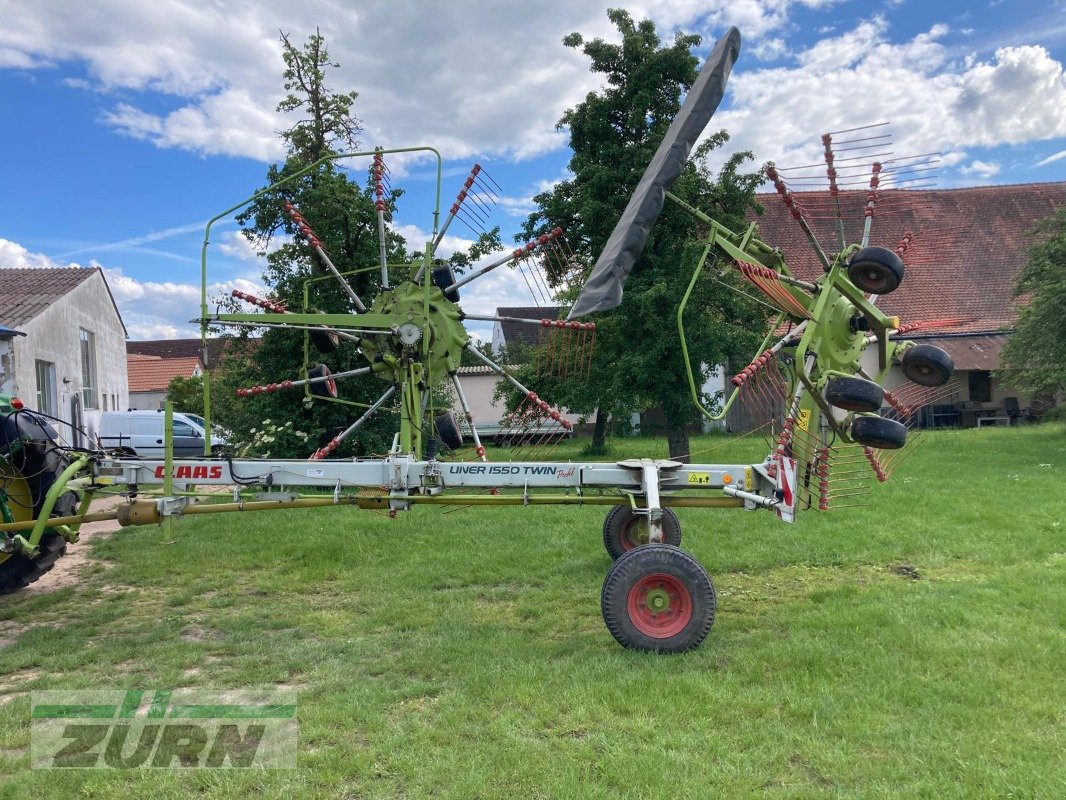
[[259, 711], [73, 711]]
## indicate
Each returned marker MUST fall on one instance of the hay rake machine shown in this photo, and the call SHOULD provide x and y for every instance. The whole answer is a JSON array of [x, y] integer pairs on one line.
[[816, 380]]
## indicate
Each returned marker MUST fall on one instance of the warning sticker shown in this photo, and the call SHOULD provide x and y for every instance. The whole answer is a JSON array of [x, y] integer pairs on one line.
[[803, 421], [699, 478]]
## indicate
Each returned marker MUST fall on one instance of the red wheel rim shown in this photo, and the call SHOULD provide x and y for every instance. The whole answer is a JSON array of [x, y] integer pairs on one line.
[[331, 387], [630, 535], [659, 605]]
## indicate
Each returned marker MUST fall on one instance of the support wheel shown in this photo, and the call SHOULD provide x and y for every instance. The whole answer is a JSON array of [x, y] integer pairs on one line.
[[448, 430], [879, 433], [658, 598], [325, 341], [927, 365], [326, 388], [854, 394], [876, 270], [26, 481], [623, 530], [443, 277]]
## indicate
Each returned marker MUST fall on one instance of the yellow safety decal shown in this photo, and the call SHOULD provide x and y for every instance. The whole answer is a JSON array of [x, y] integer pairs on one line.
[[803, 422], [749, 478], [699, 478]]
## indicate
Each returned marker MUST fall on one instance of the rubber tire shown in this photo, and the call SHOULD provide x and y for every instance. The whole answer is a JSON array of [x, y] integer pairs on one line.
[[854, 394], [876, 270], [448, 430], [40, 464], [325, 388], [619, 524], [879, 433], [443, 277], [325, 341], [927, 365], [649, 559]]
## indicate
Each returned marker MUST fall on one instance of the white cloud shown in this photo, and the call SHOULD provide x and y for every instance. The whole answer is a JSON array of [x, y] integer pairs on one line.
[[934, 103], [149, 309], [472, 77], [982, 169], [770, 49], [1052, 158]]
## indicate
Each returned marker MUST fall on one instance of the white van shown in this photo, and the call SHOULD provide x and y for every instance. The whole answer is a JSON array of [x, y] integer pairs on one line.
[[140, 433]]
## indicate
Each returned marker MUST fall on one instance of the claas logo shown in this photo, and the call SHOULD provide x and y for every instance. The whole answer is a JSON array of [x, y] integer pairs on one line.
[[193, 471]]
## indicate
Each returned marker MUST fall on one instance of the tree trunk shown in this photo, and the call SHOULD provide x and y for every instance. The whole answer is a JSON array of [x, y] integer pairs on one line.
[[677, 438], [599, 432]]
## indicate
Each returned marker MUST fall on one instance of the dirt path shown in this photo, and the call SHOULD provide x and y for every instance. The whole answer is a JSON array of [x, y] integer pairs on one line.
[[68, 570]]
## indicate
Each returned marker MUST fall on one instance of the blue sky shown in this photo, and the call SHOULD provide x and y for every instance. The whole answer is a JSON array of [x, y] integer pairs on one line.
[[129, 124]]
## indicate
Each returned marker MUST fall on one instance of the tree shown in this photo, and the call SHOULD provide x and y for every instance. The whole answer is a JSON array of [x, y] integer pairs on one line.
[[1035, 355], [187, 394], [343, 215], [613, 135]]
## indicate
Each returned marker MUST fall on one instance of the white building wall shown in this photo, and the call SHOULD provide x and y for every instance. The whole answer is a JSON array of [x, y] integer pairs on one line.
[[54, 335], [147, 401]]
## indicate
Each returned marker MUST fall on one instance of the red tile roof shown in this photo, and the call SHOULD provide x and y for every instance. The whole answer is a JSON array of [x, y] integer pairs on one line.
[[188, 348], [968, 246], [154, 373], [969, 352]]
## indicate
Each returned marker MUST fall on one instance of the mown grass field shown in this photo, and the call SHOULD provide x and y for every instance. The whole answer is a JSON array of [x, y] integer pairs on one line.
[[463, 655]]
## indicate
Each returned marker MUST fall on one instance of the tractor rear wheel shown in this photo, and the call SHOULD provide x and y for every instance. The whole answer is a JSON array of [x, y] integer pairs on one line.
[[876, 270], [623, 530], [26, 478], [854, 394], [658, 597]]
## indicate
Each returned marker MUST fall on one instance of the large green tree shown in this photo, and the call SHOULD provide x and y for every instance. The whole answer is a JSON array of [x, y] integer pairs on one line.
[[1035, 355], [343, 215], [613, 134]]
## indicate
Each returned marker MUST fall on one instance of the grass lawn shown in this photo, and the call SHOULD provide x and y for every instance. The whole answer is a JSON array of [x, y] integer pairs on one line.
[[463, 655]]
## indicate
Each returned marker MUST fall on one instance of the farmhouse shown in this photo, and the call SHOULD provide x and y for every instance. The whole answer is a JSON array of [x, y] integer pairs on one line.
[[966, 249], [63, 344]]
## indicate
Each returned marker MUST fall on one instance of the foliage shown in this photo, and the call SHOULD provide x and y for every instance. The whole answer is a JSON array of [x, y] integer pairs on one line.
[[187, 394], [614, 134], [1035, 355], [344, 216]]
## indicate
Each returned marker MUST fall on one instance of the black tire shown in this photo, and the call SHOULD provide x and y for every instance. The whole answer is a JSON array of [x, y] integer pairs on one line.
[[879, 433], [876, 270], [927, 365], [40, 465], [443, 277], [325, 341], [448, 430], [623, 530], [646, 576], [854, 394], [327, 388]]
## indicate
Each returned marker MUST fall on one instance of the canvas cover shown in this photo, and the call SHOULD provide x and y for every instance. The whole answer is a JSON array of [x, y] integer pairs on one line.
[[603, 290]]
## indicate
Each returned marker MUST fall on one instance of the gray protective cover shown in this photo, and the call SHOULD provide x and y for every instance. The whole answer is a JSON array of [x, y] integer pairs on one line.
[[603, 290]]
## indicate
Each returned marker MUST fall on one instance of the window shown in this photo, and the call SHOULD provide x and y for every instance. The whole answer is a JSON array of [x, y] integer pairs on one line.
[[183, 428], [88, 369], [46, 387], [980, 386]]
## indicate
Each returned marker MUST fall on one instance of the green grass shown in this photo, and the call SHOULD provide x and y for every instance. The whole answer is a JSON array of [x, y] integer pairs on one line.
[[463, 655]]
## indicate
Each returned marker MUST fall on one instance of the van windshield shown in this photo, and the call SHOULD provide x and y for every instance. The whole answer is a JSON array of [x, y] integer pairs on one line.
[[197, 419]]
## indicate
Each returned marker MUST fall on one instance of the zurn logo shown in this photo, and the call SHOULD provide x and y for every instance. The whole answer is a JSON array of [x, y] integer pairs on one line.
[[172, 729]]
